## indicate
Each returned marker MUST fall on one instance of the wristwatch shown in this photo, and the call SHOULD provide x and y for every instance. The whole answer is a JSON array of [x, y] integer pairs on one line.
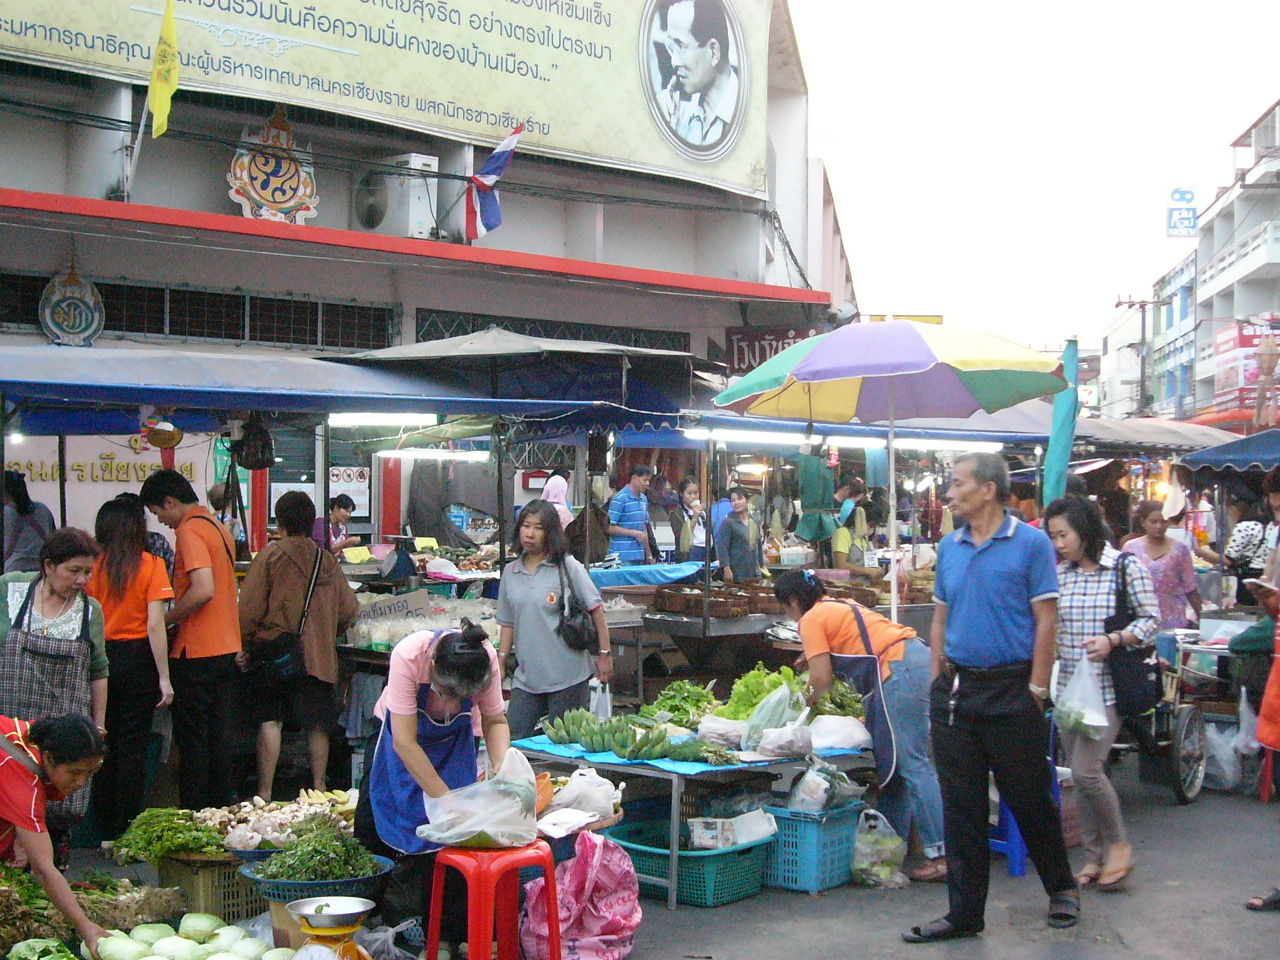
[[604, 653], [1040, 692]]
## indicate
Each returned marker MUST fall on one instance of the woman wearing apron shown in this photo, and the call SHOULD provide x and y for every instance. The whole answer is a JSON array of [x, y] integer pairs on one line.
[[54, 658], [443, 688], [889, 665]]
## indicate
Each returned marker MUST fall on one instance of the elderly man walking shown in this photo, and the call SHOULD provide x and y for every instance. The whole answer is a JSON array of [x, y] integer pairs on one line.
[[993, 628]]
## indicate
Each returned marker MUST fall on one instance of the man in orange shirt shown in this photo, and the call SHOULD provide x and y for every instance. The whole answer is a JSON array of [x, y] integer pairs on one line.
[[204, 638]]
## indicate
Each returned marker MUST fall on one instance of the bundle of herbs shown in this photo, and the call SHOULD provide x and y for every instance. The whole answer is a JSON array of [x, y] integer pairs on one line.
[[161, 831], [323, 852]]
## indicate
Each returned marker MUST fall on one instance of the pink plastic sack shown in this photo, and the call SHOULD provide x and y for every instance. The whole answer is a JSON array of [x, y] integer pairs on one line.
[[599, 904]]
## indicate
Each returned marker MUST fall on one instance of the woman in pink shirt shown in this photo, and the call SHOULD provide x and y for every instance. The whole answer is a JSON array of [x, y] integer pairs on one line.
[[443, 689]]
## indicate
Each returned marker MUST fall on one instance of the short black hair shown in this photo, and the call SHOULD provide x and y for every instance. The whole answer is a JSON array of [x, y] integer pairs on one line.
[[342, 502], [67, 739], [689, 479], [801, 586], [545, 511], [641, 470], [1076, 485], [66, 544], [1083, 516], [15, 488], [740, 491], [296, 513], [461, 660], [166, 483]]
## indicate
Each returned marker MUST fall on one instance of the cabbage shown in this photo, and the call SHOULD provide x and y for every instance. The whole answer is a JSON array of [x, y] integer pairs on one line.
[[279, 953], [225, 955], [149, 933], [250, 948], [199, 926], [175, 948], [202, 952], [122, 947], [224, 937]]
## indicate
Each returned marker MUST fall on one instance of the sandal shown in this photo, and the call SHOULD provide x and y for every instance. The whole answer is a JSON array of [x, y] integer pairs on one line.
[[1064, 909], [931, 871], [938, 930], [1270, 902], [1118, 868], [1089, 875]]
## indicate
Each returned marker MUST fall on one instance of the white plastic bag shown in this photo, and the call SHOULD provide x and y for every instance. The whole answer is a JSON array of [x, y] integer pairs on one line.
[[586, 791], [789, 740], [380, 942], [722, 732], [1246, 740], [777, 709], [1081, 707], [498, 812], [602, 701], [830, 732], [1222, 767], [822, 787], [878, 852]]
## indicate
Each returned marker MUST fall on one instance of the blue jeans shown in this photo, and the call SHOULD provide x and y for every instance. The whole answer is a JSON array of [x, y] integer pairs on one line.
[[913, 796]]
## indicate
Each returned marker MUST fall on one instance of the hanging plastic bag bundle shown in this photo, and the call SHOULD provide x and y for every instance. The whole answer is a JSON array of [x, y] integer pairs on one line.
[[1081, 707], [878, 852], [498, 812]]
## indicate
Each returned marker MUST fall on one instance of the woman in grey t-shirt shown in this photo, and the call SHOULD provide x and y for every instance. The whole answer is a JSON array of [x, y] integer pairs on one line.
[[550, 679], [27, 525]]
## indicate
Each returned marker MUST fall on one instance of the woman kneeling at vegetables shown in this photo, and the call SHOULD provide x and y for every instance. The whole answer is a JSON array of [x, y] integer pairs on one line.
[[844, 628], [47, 760], [442, 688]]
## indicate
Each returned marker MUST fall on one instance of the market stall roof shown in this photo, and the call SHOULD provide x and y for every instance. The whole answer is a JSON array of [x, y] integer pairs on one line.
[[83, 377], [1261, 451], [1141, 434]]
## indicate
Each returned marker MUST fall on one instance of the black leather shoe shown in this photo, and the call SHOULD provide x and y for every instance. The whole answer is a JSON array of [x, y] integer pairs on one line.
[[936, 930]]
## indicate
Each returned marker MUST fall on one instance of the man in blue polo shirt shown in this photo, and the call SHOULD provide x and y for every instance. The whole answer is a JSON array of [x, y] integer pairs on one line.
[[629, 518], [994, 622]]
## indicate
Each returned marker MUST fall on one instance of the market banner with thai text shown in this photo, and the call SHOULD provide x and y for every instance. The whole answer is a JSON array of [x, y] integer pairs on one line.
[[638, 84]]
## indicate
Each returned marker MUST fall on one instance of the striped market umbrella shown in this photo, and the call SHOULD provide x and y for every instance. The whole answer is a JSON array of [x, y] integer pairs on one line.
[[884, 372]]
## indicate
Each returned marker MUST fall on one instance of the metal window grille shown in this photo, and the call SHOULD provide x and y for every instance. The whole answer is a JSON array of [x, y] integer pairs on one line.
[[20, 298], [273, 320], [133, 309], [207, 316], [352, 326]]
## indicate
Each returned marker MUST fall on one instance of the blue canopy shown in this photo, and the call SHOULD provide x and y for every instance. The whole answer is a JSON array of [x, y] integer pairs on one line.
[[1261, 451]]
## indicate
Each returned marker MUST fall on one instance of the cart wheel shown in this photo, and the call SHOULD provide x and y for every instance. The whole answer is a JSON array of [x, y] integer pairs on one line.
[[1187, 753]]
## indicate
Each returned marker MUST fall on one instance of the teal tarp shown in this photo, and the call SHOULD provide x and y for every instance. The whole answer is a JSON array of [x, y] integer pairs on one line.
[[1063, 435]]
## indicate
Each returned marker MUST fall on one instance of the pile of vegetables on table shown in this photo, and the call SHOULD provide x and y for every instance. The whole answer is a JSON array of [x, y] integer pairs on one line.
[[632, 738], [27, 915], [255, 824], [322, 851], [200, 936]]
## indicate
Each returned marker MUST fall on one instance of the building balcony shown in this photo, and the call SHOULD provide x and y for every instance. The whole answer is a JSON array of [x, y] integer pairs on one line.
[[1256, 256]]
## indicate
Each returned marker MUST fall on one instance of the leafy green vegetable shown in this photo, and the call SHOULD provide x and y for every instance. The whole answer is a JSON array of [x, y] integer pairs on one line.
[[696, 750], [320, 855], [40, 949], [160, 831], [840, 700], [151, 932], [122, 948], [752, 687], [685, 702]]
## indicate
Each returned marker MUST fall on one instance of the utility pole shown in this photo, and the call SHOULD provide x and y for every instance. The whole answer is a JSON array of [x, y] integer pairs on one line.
[[1142, 306]]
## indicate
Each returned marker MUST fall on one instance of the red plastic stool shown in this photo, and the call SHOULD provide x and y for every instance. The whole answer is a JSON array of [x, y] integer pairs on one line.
[[493, 888]]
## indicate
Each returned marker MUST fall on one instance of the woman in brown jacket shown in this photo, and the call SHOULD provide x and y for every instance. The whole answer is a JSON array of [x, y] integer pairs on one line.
[[271, 603]]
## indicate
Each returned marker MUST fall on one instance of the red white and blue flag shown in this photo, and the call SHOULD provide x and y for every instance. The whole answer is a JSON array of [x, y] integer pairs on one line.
[[483, 212]]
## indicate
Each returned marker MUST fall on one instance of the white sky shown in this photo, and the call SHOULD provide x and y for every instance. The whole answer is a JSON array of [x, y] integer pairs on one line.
[[1007, 163]]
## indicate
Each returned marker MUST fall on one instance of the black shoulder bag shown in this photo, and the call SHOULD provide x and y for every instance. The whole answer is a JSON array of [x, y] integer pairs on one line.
[[577, 629], [281, 657], [1135, 671]]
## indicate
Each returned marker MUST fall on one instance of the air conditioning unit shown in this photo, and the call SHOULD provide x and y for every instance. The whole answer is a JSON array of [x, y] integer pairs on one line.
[[398, 204]]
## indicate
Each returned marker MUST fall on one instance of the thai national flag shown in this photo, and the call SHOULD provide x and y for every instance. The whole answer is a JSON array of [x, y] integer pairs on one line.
[[483, 212]]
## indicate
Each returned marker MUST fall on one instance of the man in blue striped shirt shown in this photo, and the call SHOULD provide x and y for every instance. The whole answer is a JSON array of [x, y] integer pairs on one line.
[[629, 518]]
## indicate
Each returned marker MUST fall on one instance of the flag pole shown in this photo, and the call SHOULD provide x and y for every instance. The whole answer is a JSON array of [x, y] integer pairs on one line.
[[137, 147]]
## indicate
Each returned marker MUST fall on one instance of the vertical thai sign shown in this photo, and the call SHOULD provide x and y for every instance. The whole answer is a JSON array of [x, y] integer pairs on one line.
[[1182, 216]]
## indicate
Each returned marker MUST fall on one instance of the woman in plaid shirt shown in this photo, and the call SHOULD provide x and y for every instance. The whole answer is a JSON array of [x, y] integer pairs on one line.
[[1087, 582]]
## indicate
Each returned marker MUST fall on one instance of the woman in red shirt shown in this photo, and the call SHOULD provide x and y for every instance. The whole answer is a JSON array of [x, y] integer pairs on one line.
[[133, 588], [46, 760]]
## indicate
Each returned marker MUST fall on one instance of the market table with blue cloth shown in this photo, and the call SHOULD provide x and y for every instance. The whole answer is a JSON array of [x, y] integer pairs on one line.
[[650, 574], [540, 749]]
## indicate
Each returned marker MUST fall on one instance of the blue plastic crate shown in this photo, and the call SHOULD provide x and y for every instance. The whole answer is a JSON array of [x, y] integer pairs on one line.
[[813, 851], [708, 878]]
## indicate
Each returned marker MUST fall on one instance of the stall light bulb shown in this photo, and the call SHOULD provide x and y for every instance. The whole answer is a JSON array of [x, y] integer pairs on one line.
[[16, 437]]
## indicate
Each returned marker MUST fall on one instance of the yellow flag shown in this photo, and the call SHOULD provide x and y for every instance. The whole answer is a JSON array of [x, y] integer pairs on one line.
[[164, 73]]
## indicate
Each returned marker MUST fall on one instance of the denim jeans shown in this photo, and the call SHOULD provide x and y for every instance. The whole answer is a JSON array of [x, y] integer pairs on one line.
[[913, 796]]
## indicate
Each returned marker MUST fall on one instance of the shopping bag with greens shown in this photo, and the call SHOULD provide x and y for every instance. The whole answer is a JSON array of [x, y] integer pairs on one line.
[[1081, 708], [878, 852], [498, 812]]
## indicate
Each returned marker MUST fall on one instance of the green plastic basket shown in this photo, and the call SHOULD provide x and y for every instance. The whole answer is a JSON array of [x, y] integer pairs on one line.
[[708, 878]]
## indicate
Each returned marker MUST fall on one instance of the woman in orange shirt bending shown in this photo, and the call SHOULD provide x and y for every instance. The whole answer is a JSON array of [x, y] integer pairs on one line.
[[133, 587]]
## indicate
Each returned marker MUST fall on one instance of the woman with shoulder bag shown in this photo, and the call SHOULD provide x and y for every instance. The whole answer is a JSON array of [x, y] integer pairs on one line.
[[1090, 576], [294, 589], [550, 677]]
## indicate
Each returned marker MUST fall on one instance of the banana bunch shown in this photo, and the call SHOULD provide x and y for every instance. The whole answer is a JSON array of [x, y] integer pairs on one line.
[[341, 802], [571, 727], [652, 745], [600, 736]]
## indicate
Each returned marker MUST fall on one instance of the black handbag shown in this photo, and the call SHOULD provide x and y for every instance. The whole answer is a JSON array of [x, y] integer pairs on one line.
[[1135, 671], [281, 657], [577, 629]]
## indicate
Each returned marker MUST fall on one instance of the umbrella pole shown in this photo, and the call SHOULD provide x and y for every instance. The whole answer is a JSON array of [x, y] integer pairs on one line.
[[893, 512]]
